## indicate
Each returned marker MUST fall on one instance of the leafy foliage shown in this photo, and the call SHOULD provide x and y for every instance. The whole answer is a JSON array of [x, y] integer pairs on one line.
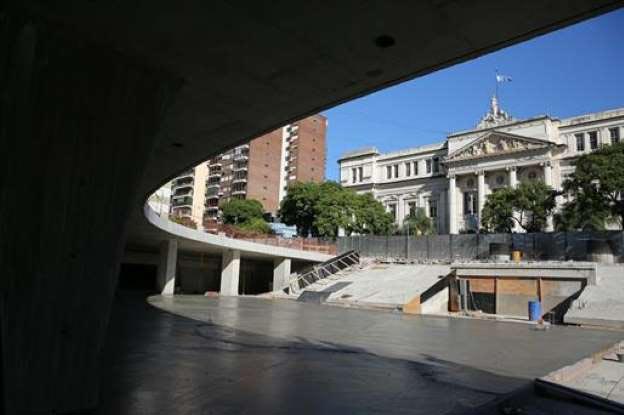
[[528, 205], [322, 209], [418, 223], [240, 211], [255, 225], [595, 191], [184, 221]]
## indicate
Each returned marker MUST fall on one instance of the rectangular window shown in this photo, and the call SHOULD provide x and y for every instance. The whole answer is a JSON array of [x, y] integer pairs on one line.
[[428, 166], [354, 175], [470, 203], [593, 140], [361, 173], [408, 169], [411, 208], [396, 171], [392, 208], [433, 208], [614, 134], [580, 142], [388, 172], [436, 165], [415, 168]]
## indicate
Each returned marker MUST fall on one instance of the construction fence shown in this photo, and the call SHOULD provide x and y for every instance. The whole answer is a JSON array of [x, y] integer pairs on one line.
[[556, 246]]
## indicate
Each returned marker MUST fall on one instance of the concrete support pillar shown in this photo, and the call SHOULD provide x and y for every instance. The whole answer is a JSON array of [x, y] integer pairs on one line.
[[452, 201], [79, 121], [230, 272], [548, 181], [480, 193], [281, 273], [167, 266]]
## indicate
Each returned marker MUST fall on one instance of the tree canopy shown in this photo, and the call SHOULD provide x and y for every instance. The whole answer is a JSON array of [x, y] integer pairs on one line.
[[321, 209], [528, 205], [595, 191], [239, 211], [418, 223]]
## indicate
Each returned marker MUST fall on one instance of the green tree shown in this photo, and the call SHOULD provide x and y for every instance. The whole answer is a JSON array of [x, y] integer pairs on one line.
[[497, 214], [595, 191], [322, 209], [528, 205], [297, 207], [255, 225], [239, 211], [370, 217], [418, 223]]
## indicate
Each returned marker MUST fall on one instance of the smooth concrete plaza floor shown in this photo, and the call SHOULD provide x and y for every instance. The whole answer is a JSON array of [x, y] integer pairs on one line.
[[199, 355]]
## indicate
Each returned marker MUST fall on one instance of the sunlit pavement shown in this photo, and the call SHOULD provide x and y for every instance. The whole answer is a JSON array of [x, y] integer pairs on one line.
[[253, 356]]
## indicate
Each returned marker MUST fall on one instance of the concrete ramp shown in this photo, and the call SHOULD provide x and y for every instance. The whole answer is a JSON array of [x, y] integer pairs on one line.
[[382, 285], [601, 304]]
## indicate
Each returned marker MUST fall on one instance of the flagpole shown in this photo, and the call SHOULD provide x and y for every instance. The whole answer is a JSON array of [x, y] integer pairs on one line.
[[496, 81]]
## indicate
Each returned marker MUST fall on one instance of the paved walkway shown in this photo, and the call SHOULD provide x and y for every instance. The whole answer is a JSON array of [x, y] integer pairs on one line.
[[254, 356]]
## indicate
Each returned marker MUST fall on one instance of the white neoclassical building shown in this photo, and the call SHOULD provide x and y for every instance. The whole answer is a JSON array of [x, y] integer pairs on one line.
[[452, 179]]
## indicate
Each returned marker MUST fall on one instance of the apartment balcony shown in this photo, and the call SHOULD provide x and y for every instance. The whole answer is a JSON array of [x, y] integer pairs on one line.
[[239, 192], [239, 180], [241, 167], [241, 157], [212, 209], [188, 173], [215, 173], [186, 201], [186, 192], [213, 185], [182, 212], [182, 182]]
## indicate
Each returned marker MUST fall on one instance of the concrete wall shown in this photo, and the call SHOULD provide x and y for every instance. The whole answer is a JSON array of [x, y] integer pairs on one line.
[[78, 122]]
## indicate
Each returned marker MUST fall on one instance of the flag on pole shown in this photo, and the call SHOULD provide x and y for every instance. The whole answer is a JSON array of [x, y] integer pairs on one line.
[[503, 78]]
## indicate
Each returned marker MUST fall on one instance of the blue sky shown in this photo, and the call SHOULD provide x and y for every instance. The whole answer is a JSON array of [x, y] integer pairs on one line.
[[573, 71]]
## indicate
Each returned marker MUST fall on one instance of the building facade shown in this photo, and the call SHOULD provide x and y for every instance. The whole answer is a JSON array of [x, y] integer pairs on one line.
[[451, 180], [261, 169]]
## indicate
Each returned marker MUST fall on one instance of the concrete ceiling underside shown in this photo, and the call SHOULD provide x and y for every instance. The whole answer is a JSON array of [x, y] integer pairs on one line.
[[247, 67]]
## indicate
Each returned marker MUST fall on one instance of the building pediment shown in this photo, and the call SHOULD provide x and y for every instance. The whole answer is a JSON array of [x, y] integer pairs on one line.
[[497, 143]]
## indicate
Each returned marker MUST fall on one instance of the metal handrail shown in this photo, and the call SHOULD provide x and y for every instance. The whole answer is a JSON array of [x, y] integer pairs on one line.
[[324, 270]]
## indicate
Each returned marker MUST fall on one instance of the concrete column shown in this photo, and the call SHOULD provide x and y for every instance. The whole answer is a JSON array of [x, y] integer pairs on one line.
[[548, 181], [481, 193], [79, 121], [167, 266], [452, 201], [281, 273], [230, 272]]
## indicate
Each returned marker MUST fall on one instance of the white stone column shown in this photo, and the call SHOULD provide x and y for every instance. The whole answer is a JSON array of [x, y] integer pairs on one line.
[[230, 272], [513, 183], [452, 201], [548, 174], [513, 177], [480, 194], [281, 273], [400, 210], [167, 266], [548, 181]]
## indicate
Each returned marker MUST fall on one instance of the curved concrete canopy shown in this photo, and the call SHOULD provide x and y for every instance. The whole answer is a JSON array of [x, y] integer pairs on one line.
[[158, 229], [248, 67]]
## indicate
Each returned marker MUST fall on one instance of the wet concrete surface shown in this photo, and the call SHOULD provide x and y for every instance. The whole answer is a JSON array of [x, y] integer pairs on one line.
[[198, 355]]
